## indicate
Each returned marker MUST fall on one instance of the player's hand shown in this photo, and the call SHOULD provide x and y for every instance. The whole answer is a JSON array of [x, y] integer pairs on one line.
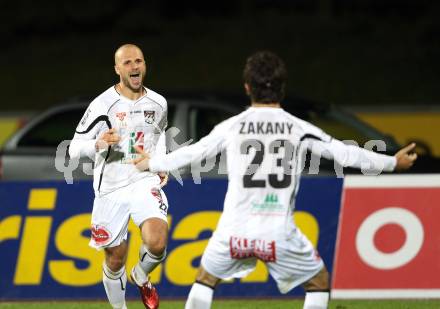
[[109, 138], [142, 162], [405, 157], [163, 178]]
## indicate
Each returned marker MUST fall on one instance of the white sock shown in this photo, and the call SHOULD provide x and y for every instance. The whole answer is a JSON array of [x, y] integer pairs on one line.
[[200, 297], [115, 284], [316, 300], [147, 263]]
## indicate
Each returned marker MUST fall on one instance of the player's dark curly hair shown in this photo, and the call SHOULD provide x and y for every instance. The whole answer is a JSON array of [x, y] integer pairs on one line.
[[266, 75]]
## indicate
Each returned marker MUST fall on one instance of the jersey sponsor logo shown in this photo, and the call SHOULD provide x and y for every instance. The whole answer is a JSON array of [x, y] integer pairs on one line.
[[243, 248], [136, 139], [149, 117], [269, 206], [100, 234]]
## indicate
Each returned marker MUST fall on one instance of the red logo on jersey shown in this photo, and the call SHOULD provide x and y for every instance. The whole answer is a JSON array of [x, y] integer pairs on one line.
[[243, 248], [100, 234], [121, 115]]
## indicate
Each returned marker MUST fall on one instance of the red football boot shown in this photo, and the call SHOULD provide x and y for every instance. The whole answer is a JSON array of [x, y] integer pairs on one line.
[[149, 294]]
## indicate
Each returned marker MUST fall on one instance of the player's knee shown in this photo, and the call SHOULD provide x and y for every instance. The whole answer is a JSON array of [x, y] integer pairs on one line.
[[157, 247], [205, 278], [115, 257], [115, 263]]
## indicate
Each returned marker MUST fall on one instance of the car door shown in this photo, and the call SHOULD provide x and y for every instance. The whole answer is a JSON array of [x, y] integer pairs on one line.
[[31, 153]]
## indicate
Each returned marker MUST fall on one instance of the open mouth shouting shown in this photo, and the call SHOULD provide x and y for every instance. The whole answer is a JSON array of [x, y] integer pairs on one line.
[[135, 78]]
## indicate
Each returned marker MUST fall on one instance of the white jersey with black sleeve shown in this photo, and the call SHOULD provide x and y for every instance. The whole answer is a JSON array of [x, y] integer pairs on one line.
[[264, 146], [138, 122]]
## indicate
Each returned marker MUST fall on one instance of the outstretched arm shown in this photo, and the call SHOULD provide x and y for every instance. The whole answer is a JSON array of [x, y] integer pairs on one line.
[[208, 146], [357, 157]]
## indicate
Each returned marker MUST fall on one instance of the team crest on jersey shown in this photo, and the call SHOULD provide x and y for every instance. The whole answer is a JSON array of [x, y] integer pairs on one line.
[[149, 116]]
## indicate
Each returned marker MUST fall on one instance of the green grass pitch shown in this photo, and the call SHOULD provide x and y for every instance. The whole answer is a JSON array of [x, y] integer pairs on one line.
[[235, 304]]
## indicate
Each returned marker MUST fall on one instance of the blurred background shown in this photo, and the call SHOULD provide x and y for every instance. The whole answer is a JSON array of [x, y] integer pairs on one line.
[[360, 69], [379, 59]]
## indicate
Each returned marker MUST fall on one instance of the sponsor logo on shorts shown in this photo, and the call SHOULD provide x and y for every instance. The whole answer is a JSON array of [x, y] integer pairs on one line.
[[162, 205], [242, 248], [149, 117], [100, 234]]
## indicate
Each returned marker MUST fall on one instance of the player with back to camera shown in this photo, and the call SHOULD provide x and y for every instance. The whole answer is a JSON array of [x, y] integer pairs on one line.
[[125, 116], [262, 146]]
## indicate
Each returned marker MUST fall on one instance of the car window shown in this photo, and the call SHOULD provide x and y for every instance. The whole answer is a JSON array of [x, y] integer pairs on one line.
[[52, 130], [338, 128], [341, 125], [203, 119]]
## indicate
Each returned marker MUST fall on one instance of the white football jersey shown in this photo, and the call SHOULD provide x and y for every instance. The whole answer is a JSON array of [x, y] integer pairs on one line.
[[264, 147], [139, 123]]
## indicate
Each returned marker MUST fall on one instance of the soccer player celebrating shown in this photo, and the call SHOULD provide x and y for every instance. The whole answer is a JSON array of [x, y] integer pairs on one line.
[[123, 117], [264, 145]]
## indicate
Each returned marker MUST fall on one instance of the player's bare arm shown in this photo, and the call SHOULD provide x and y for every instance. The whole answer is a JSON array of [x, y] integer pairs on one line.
[[405, 157]]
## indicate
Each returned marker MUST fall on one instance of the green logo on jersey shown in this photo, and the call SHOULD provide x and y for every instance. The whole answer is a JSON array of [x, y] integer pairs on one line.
[[270, 204], [271, 198]]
